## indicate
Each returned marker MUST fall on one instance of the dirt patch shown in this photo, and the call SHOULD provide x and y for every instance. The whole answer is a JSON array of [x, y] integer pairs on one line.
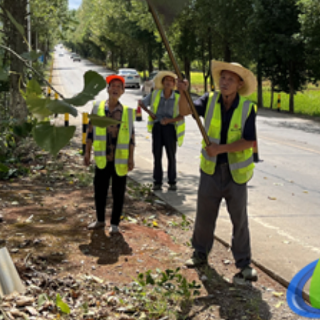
[[45, 219]]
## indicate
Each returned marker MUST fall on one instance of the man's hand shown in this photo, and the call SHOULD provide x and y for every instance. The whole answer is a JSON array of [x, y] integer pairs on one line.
[[86, 159], [165, 121], [213, 149], [130, 164], [183, 85]]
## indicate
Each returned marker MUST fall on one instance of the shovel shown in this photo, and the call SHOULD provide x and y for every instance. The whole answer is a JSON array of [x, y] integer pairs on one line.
[[9, 278]]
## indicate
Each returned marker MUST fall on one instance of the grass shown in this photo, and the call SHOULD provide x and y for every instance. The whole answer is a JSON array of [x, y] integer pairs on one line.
[[307, 102]]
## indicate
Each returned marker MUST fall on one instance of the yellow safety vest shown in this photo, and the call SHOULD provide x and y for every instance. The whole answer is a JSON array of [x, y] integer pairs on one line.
[[123, 141], [180, 125], [240, 163]]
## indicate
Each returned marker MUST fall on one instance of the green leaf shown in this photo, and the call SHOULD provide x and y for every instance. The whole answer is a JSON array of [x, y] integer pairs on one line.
[[38, 106], [17, 25], [93, 84], [61, 107], [33, 86], [31, 56], [3, 168], [102, 122], [62, 305], [51, 138]]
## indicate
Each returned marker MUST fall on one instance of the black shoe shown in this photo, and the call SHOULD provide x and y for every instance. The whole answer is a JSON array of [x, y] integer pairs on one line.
[[198, 259], [172, 187], [156, 187]]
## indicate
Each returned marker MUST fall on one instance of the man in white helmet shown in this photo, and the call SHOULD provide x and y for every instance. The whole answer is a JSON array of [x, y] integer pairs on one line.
[[227, 163]]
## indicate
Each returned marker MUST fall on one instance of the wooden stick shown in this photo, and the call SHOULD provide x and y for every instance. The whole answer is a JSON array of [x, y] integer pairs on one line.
[[176, 67]]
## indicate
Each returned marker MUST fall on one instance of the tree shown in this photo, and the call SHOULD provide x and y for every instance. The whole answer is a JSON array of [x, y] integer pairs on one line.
[[278, 47]]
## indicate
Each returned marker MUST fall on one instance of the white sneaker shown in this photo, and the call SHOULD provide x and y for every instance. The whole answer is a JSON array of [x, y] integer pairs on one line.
[[96, 225], [114, 229]]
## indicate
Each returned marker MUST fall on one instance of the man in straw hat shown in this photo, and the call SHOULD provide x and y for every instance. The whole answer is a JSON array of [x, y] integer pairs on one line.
[[113, 153], [227, 163], [167, 126]]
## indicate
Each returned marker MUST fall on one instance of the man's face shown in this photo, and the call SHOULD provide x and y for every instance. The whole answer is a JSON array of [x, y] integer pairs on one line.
[[115, 89], [230, 83], [168, 83]]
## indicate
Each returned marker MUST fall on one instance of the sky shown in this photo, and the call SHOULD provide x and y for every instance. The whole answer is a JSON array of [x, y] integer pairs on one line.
[[74, 4]]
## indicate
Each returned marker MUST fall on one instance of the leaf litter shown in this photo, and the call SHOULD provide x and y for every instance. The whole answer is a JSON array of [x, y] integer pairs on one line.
[[72, 273]]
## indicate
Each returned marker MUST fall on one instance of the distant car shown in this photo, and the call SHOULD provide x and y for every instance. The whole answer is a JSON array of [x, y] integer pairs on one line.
[[131, 76], [148, 85], [72, 54], [76, 57], [61, 54]]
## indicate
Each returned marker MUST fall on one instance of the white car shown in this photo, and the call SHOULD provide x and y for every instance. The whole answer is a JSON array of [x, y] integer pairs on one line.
[[131, 76]]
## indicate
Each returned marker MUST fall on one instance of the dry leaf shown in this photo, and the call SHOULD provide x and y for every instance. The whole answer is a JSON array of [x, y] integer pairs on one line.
[[278, 305], [155, 224], [272, 198]]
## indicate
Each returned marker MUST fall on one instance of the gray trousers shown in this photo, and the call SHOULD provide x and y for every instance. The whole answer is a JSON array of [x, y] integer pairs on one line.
[[211, 191]]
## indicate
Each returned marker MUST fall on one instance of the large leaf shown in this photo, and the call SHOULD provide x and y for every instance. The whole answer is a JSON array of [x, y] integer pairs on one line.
[[33, 86], [38, 106], [14, 21], [93, 84], [51, 138], [61, 107], [32, 55], [102, 122]]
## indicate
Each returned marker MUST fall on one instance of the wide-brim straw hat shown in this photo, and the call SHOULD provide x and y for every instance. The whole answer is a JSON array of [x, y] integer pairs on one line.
[[162, 74], [249, 79]]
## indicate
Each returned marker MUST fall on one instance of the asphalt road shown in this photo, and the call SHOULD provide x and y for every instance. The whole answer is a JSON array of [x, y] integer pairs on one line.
[[284, 195]]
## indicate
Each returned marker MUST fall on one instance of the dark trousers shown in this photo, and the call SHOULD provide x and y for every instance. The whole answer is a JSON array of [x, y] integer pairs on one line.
[[101, 187], [164, 136], [211, 191]]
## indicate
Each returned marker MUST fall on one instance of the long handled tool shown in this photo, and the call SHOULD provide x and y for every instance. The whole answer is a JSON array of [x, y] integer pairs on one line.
[[150, 113], [177, 70]]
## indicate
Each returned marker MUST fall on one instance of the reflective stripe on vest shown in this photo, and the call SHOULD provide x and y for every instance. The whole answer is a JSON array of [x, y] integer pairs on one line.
[[123, 140], [179, 126], [240, 163]]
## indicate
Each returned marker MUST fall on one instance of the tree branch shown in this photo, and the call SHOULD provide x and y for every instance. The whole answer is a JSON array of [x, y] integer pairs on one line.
[[27, 64]]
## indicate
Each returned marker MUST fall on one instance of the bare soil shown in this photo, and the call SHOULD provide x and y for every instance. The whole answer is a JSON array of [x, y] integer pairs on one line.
[[44, 224]]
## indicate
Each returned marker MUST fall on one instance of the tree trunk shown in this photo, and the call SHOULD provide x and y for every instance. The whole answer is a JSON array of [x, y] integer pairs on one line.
[[160, 56], [292, 91], [259, 78], [17, 108], [210, 55], [203, 67], [150, 64], [112, 60], [272, 95], [187, 67], [227, 52]]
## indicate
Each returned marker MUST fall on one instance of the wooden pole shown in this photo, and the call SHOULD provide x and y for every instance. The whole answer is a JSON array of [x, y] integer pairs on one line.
[[177, 70]]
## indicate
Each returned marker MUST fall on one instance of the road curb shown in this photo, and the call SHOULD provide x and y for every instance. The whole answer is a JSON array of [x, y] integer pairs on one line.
[[268, 271]]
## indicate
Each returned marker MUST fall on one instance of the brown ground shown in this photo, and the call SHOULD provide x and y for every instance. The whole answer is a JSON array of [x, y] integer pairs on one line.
[[45, 219]]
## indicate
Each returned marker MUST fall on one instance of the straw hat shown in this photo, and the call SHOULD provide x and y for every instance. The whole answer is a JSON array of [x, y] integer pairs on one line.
[[249, 79], [162, 74]]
